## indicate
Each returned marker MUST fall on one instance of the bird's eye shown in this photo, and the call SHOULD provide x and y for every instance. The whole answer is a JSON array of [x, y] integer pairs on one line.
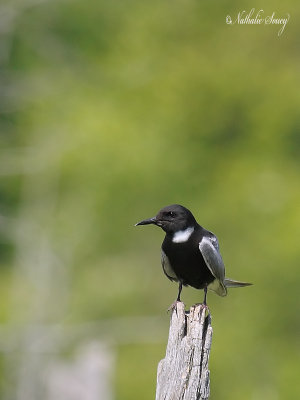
[[172, 214]]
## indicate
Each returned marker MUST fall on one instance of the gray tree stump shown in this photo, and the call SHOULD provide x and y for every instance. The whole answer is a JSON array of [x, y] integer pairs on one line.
[[183, 374]]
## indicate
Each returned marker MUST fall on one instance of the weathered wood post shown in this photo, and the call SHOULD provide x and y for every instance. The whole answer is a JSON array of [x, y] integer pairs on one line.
[[183, 374]]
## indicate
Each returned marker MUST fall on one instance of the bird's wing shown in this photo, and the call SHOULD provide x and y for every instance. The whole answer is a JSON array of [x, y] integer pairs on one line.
[[168, 270], [209, 248]]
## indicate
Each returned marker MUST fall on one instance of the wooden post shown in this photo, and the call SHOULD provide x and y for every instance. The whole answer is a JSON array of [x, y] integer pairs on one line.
[[183, 374]]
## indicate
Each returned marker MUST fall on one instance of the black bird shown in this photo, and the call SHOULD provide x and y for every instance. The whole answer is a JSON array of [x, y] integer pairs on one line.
[[190, 253]]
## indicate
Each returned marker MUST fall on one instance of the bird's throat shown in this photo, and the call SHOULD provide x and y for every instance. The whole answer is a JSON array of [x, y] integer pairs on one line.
[[183, 236]]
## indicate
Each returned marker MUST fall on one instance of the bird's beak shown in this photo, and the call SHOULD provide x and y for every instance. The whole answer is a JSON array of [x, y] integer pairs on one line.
[[147, 221]]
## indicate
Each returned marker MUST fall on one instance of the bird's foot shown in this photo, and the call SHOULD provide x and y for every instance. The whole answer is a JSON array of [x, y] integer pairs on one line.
[[173, 306], [203, 306]]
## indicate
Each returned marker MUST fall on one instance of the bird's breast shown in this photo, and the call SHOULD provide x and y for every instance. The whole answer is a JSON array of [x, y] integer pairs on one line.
[[187, 262]]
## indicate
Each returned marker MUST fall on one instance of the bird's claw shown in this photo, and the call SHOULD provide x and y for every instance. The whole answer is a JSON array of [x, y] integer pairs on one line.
[[173, 306], [203, 306]]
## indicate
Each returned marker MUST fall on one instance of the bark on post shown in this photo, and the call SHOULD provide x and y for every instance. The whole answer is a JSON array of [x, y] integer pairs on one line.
[[183, 374]]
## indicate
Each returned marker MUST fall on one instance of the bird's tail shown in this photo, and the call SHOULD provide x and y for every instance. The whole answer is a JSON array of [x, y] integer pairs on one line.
[[230, 283]]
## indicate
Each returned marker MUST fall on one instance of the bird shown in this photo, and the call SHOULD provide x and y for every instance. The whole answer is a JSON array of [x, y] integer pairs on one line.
[[190, 254]]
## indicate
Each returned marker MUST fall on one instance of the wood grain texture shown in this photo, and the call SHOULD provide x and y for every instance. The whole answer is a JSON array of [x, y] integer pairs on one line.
[[183, 374]]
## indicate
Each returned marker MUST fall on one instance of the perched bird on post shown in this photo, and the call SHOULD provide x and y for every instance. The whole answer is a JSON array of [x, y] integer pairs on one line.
[[190, 253]]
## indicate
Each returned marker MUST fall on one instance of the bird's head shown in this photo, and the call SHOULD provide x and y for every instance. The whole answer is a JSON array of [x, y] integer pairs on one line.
[[171, 219]]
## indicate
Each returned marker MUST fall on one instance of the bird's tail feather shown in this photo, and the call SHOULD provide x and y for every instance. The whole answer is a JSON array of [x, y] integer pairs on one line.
[[230, 283]]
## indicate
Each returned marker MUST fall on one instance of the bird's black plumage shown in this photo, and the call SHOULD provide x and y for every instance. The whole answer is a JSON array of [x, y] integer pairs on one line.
[[187, 261], [190, 253]]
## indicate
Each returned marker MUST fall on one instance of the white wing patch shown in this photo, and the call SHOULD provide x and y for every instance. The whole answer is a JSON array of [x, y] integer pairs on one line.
[[183, 236], [214, 241], [209, 250], [168, 270]]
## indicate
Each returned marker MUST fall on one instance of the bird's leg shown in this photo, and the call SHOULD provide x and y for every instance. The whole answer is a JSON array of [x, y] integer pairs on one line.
[[205, 295], [179, 291], [173, 305], [204, 305]]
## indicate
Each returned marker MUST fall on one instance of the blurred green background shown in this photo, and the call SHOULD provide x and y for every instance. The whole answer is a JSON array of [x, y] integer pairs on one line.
[[110, 111]]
